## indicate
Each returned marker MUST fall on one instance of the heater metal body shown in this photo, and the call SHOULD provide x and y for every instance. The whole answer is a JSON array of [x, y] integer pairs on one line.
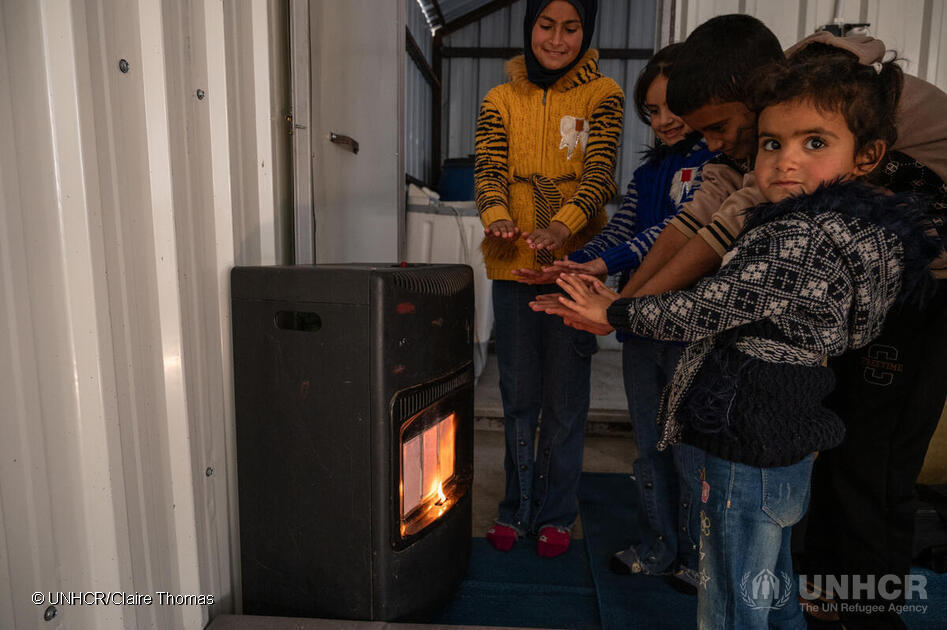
[[335, 367]]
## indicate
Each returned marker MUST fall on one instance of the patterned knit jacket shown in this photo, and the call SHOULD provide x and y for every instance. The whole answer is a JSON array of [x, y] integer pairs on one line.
[[810, 276], [546, 155]]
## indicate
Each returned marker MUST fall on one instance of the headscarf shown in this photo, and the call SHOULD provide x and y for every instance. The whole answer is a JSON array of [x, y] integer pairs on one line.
[[534, 70]]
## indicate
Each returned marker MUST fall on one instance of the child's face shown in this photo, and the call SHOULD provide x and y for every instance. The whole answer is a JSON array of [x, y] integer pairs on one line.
[[801, 147], [557, 35], [729, 127], [668, 127]]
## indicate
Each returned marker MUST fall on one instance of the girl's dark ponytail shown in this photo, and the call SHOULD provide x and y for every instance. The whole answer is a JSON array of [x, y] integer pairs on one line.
[[890, 79]]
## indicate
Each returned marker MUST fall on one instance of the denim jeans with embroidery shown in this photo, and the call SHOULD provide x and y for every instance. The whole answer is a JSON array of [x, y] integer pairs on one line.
[[667, 481], [545, 369], [747, 514]]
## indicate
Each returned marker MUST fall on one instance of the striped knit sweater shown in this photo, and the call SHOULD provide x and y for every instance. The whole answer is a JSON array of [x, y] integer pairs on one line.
[[546, 155]]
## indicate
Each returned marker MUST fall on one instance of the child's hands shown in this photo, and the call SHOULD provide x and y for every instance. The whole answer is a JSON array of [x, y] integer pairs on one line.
[[595, 267], [590, 298], [549, 274], [503, 229], [552, 237], [549, 303], [530, 276]]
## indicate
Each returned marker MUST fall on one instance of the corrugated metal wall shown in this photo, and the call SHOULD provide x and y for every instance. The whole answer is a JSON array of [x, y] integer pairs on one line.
[[418, 100], [620, 24], [127, 196], [914, 28]]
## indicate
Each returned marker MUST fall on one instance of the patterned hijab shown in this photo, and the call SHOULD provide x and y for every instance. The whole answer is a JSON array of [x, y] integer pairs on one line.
[[536, 72]]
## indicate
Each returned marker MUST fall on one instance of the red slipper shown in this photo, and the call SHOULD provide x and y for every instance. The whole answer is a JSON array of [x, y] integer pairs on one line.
[[502, 537], [553, 541]]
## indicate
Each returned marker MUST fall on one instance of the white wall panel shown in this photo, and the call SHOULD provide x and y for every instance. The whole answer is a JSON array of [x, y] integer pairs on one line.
[[913, 28], [900, 25], [125, 201]]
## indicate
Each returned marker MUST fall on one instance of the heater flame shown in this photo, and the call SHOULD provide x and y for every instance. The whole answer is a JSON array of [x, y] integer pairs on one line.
[[427, 465]]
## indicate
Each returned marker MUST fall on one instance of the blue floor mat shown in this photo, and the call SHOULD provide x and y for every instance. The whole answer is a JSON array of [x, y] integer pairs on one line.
[[607, 503], [577, 590], [518, 588]]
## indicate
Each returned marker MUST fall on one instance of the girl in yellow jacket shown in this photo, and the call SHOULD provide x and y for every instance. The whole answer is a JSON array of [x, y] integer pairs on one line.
[[546, 145]]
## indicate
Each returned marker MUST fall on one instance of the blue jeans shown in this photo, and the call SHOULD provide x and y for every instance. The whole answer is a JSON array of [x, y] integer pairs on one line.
[[668, 482], [746, 576], [545, 368]]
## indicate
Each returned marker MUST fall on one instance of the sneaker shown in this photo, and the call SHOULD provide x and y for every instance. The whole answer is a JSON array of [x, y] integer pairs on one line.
[[684, 580], [627, 561], [553, 541], [502, 537]]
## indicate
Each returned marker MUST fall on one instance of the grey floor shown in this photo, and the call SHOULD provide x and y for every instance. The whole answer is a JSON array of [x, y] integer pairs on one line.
[[608, 444]]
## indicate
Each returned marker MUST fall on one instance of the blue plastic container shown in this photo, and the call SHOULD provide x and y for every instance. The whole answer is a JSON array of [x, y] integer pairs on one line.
[[457, 180]]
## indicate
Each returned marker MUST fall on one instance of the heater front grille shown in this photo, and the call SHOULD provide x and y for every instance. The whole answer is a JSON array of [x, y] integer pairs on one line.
[[412, 402]]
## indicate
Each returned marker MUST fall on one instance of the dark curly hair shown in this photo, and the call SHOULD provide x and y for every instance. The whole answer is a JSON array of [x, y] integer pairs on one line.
[[659, 64], [833, 80], [717, 60]]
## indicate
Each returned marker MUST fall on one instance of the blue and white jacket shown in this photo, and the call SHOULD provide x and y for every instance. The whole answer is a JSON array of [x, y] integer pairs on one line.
[[667, 179]]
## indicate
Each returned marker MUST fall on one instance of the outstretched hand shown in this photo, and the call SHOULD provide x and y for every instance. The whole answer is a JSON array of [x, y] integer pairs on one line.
[[590, 298], [594, 267], [552, 237], [530, 276], [549, 274], [549, 303], [503, 229]]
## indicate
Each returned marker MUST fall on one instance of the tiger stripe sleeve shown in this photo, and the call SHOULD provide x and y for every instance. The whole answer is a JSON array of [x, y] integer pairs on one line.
[[491, 184], [597, 185]]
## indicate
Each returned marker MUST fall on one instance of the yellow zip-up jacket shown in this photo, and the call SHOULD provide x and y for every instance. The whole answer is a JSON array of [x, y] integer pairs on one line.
[[546, 155]]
